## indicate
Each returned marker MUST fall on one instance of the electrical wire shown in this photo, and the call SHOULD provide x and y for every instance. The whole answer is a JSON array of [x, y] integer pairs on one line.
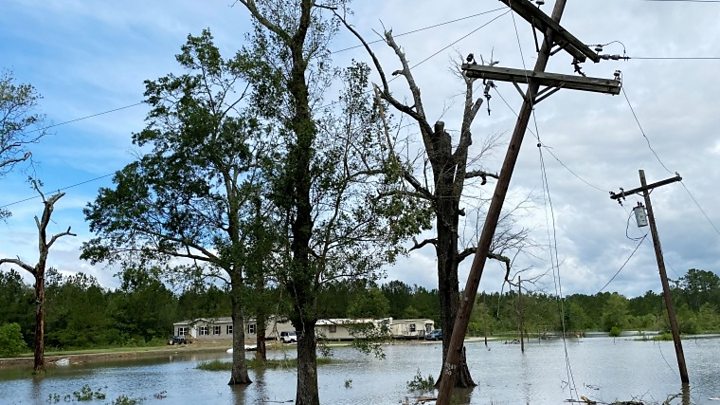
[[85, 117], [59, 190], [640, 242], [416, 30], [687, 190], [331, 104], [554, 256], [642, 131]]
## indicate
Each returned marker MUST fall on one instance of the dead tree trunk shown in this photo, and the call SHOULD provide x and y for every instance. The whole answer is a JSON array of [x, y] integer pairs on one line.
[[38, 273]]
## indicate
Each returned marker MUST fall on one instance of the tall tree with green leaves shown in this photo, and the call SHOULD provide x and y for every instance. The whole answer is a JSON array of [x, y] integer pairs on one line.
[[188, 203], [17, 119], [329, 182], [45, 242]]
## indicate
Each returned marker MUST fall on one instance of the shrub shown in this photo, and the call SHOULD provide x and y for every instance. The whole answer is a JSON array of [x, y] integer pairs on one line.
[[615, 331], [11, 340], [419, 383]]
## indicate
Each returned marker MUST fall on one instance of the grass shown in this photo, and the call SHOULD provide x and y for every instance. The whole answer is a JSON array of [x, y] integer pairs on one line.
[[220, 365]]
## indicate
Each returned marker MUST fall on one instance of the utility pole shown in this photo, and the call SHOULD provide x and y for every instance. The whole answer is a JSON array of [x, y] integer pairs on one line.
[[645, 189], [554, 35]]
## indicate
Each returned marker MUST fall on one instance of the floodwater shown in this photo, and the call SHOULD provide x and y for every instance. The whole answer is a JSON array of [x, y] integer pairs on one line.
[[602, 369]]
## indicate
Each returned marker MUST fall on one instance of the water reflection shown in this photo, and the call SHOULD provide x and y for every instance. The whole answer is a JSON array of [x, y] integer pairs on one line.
[[601, 370]]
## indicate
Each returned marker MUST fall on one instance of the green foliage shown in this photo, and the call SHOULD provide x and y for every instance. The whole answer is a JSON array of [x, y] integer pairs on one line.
[[615, 312], [11, 340], [420, 383], [17, 102], [371, 303], [86, 393], [125, 400], [615, 331]]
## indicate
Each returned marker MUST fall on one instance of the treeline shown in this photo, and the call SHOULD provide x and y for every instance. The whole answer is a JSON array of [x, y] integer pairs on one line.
[[82, 314]]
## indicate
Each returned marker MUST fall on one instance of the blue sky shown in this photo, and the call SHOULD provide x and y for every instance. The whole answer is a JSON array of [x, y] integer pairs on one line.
[[87, 57]]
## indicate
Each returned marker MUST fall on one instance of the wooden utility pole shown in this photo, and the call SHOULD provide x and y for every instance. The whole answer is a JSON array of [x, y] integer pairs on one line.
[[554, 34], [645, 190]]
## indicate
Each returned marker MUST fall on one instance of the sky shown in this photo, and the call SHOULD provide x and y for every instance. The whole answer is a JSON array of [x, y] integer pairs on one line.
[[87, 58]]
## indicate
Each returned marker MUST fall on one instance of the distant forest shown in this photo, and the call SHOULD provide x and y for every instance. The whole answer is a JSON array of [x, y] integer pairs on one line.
[[82, 314]]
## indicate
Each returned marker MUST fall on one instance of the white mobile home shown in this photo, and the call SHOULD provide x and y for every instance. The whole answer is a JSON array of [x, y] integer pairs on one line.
[[411, 328]]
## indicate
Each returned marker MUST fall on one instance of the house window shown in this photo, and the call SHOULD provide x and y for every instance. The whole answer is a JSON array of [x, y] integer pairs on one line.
[[228, 329], [203, 331], [333, 328], [428, 328], [182, 331], [216, 330], [412, 327], [252, 328]]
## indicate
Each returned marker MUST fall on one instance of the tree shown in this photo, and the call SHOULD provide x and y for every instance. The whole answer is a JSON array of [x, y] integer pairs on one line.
[[450, 169], [38, 271], [16, 118], [371, 303], [330, 178], [615, 312], [699, 287], [192, 196], [11, 340]]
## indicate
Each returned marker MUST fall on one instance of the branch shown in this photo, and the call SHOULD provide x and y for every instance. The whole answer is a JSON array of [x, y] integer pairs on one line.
[[417, 186], [252, 8], [58, 236], [490, 255], [418, 115], [482, 174], [19, 263], [432, 241]]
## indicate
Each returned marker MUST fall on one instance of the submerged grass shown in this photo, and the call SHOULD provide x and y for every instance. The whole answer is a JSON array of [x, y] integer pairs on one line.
[[220, 365]]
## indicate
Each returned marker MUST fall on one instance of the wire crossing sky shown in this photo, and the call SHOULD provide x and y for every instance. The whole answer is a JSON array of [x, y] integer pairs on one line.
[[89, 62]]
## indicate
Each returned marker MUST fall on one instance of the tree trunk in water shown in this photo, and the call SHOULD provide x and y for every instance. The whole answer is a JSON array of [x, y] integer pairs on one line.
[[238, 374], [39, 361], [307, 380], [448, 260], [261, 322]]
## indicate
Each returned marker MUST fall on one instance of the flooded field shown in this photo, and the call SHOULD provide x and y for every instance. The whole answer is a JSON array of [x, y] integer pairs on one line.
[[603, 369]]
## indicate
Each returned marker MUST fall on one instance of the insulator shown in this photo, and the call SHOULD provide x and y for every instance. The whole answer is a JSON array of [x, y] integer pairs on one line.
[[598, 48], [539, 2]]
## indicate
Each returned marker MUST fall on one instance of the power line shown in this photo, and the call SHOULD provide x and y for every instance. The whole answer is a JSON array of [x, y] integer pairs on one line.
[[675, 57], [642, 131], [623, 265], [687, 190], [86, 117], [683, 1], [422, 29], [459, 39], [59, 190]]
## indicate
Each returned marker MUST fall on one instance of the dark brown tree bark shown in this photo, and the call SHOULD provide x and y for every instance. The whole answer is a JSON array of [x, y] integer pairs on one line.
[[307, 380], [261, 325], [38, 272], [238, 373], [301, 278]]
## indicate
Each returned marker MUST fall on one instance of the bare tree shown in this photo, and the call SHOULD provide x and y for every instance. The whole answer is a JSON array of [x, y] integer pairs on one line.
[[449, 165], [38, 271]]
